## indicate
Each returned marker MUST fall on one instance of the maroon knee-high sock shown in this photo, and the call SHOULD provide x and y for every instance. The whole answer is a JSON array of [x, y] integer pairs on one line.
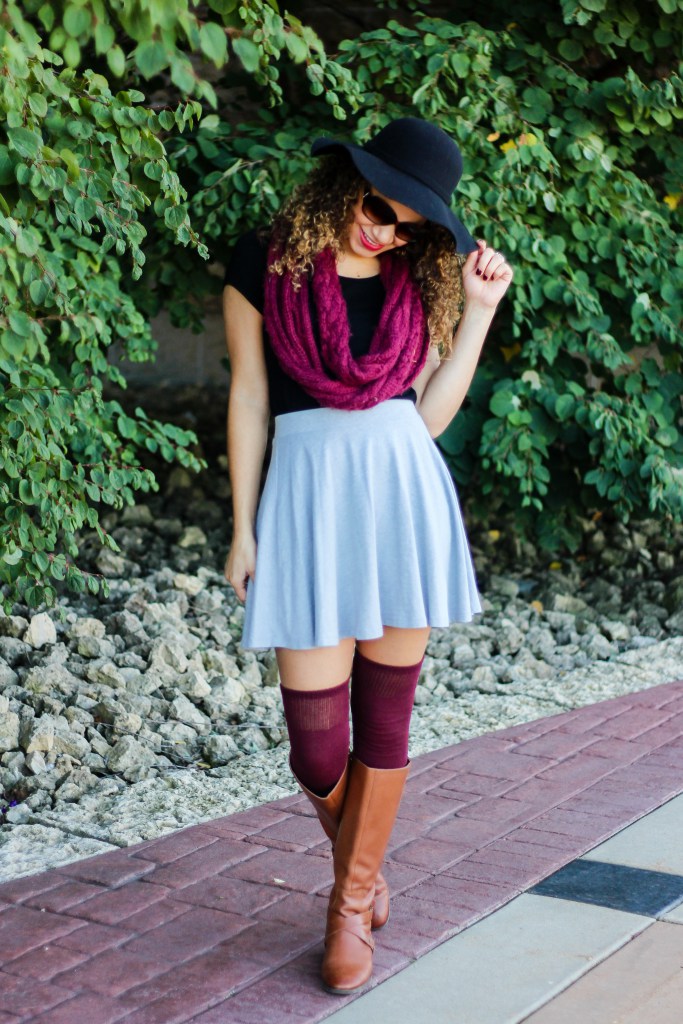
[[381, 705], [318, 727]]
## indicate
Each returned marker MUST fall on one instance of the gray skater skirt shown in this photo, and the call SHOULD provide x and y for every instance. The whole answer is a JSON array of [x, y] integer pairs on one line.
[[358, 527]]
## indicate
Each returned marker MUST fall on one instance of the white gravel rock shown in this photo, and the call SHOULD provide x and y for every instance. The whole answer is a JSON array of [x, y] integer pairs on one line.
[[615, 630], [95, 647], [194, 684], [128, 753], [41, 630], [108, 673], [86, 626], [184, 711], [9, 731], [13, 625], [190, 585], [220, 750], [168, 654], [228, 691], [40, 734], [510, 637], [111, 564], [192, 536]]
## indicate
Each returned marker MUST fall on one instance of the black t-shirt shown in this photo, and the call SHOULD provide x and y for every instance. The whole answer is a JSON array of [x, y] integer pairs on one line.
[[364, 299]]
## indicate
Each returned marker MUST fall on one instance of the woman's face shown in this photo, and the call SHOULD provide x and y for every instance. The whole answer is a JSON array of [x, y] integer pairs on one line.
[[365, 237]]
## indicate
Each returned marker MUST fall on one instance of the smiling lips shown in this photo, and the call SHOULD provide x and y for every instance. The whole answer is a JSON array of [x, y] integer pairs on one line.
[[367, 243]]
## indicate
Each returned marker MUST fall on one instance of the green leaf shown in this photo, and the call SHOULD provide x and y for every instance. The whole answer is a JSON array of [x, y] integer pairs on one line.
[[248, 52], [120, 157], [25, 492], [25, 142], [58, 569], [502, 403], [570, 49], [537, 104], [564, 406], [39, 290], [296, 47], [213, 42], [26, 242], [72, 53], [6, 167], [38, 104], [76, 19], [151, 58], [71, 161], [104, 37], [662, 117], [116, 59], [666, 436], [41, 560], [460, 63]]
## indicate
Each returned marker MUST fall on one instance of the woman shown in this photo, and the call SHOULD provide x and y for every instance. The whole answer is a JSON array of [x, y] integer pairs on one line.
[[340, 323]]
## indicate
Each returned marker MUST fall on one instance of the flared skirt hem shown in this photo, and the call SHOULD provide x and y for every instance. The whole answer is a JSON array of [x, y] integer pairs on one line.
[[358, 527]]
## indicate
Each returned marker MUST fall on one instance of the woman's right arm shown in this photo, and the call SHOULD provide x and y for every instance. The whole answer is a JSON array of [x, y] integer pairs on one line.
[[247, 430]]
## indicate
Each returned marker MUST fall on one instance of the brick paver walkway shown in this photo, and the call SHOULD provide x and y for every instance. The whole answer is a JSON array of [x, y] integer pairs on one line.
[[222, 922]]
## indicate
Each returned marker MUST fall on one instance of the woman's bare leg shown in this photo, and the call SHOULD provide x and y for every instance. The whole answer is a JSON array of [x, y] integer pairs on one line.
[[397, 646], [316, 668]]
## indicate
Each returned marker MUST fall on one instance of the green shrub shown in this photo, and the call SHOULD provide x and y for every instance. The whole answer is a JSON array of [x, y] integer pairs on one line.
[[86, 193], [115, 154]]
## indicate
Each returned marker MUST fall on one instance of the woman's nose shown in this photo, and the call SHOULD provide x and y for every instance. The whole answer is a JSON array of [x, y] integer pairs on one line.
[[384, 233]]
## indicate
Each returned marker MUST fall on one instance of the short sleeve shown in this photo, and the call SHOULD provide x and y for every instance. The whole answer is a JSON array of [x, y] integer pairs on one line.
[[246, 269]]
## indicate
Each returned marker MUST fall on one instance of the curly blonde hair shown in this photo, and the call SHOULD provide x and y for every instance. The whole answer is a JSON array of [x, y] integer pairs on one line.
[[316, 216]]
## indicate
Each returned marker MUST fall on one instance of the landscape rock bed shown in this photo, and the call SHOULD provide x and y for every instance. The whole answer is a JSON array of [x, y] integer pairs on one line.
[[124, 717]]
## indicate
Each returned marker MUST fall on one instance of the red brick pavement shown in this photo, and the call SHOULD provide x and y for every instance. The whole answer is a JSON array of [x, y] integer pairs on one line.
[[221, 922]]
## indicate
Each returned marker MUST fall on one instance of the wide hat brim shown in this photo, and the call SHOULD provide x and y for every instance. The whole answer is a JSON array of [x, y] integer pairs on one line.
[[403, 188]]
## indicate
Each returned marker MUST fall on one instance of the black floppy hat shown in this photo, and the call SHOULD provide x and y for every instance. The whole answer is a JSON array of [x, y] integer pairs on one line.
[[414, 162]]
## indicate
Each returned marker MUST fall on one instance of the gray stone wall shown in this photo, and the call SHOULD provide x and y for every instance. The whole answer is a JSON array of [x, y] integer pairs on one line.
[[182, 357]]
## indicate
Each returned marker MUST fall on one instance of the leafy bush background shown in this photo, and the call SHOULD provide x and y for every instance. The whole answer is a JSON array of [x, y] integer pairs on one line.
[[122, 169]]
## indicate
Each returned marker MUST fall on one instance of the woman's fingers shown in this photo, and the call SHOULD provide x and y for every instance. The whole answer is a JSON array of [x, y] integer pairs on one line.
[[491, 265], [240, 588], [238, 571], [489, 262]]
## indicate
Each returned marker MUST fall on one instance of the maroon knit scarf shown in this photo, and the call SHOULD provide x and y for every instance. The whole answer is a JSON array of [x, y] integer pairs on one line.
[[328, 371]]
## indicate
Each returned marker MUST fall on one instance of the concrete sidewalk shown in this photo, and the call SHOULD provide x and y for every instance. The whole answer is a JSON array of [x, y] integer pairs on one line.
[[598, 942], [222, 922]]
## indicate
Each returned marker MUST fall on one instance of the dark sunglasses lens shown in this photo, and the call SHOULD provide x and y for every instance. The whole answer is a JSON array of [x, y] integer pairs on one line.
[[378, 211], [407, 232]]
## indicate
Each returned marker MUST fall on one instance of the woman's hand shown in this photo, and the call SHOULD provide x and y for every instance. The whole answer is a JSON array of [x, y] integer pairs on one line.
[[485, 276], [240, 565]]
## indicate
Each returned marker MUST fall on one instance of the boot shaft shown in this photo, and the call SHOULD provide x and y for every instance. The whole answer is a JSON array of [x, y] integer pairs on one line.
[[372, 800]]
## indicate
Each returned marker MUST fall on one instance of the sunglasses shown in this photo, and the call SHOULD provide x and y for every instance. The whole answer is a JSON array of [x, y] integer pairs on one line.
[[379, 212]]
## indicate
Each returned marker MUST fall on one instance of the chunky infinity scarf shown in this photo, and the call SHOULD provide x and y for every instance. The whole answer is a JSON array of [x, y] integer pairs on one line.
[[328, 371]]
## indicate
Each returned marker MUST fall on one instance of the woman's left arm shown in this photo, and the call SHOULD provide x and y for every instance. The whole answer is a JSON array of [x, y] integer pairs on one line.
[[486, 277]]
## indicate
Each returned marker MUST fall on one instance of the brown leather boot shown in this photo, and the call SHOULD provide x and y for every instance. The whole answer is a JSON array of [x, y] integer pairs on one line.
[[329, 811], [372, 799]]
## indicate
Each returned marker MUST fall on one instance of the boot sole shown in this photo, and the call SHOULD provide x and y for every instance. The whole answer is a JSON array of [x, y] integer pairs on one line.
[[346, 991]]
